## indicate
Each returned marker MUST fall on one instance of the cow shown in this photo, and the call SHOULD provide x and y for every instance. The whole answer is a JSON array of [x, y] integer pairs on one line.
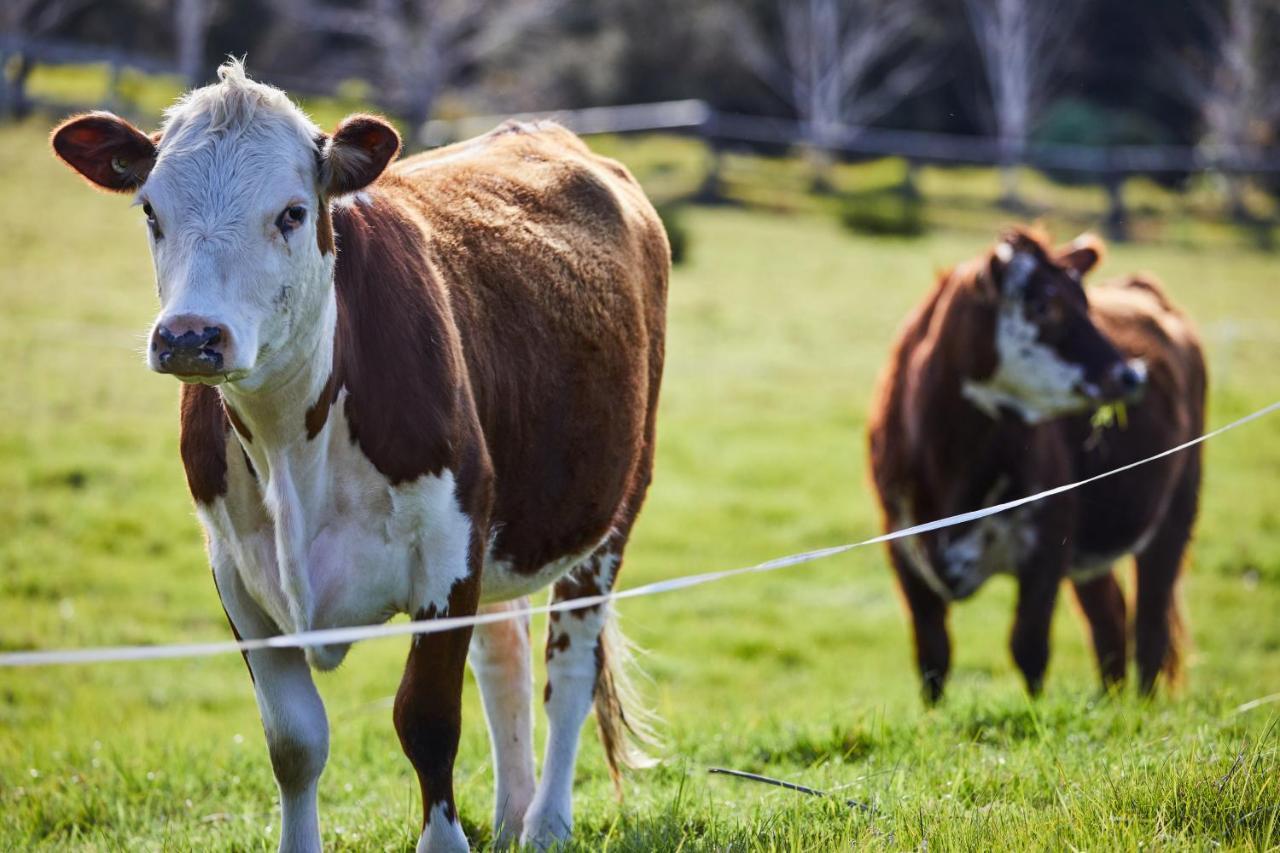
[[426, 387], [991, 393]]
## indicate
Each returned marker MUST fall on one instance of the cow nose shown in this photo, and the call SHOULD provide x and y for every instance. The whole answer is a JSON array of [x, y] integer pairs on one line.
[[1127, 380], [189, 346]]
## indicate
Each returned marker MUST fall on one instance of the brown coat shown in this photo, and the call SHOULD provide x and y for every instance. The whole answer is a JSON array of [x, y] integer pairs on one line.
[[934, 454]]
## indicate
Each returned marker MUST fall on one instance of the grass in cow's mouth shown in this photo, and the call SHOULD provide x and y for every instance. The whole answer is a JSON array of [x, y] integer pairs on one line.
[[803, 675], [1109, 415]]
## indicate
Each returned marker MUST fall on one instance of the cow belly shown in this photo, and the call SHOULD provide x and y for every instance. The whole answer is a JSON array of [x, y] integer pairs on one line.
[[501, 581]]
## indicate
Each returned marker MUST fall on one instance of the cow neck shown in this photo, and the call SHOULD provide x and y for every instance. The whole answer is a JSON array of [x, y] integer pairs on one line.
[[291, 471], [964, 450], [273, 410]]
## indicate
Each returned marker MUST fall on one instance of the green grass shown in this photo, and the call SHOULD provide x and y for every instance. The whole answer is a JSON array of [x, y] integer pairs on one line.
[[778, 326]]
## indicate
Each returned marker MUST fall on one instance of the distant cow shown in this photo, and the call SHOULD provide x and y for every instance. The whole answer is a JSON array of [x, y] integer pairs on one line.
[[988, 396], [418, 387]]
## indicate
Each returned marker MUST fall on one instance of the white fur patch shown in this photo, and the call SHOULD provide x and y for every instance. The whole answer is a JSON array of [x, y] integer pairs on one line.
[[367, 549], [1030, 378], [993, 545], [441, 834], [232, 157]]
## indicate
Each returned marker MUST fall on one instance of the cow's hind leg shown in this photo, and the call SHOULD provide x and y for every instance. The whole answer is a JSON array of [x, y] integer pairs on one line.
[[581, 667], [1102, 602], [293, 717], [1157, 623], [500, 659]]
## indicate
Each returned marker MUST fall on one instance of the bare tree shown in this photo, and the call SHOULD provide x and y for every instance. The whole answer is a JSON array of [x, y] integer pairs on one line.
[[1234, 87], [420, 46], [190, 22], [20, 21], [830, 62], [1019, 42]]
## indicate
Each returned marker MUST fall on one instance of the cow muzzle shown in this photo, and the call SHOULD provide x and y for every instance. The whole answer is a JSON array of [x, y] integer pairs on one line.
[[189, 347], [1125, 382]]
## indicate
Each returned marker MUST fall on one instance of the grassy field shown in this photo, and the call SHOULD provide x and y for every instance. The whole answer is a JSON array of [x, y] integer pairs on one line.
[[778, 326]]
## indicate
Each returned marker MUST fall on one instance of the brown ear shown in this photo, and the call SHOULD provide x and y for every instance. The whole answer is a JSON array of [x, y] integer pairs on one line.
[[1082, 255], [106, 149], [356, 154]]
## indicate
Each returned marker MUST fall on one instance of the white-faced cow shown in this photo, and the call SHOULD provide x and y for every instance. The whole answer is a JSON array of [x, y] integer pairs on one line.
[[425, 387], [988, 396]]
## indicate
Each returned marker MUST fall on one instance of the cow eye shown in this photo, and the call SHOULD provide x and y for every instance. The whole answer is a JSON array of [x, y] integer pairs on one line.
[[290, 218], [152, 223]]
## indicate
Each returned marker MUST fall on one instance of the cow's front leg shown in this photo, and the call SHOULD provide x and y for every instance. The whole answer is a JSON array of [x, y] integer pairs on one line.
[[1038, 584], [428, 717], [929, 626], [293, 716]]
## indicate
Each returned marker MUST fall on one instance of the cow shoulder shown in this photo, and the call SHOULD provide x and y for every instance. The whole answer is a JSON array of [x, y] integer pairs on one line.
[[397, 352]]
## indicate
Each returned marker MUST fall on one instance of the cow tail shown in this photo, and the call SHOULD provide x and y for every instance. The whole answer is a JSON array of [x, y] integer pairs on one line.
[[627, 727]]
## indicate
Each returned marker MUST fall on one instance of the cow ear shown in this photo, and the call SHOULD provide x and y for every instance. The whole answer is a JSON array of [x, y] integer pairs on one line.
[[356, 154], [106, 149], [1082, 254]]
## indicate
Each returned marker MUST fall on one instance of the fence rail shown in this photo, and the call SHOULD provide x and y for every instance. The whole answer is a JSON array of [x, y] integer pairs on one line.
[[702, 119]]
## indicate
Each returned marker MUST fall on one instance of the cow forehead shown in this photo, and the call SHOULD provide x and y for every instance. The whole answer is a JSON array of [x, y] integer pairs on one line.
[[225, 146], [208, 173]]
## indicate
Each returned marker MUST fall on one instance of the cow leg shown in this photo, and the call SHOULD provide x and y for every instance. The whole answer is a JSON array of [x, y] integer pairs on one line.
[[500, 659], [293, 716], [1157, 624], [573, 664], [428, 718], [1029, 640], [1102, 603], [929, 623]]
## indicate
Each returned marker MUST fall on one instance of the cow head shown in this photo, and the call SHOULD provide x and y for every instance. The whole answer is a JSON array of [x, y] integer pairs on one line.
[[235, 190], [1050, 357]]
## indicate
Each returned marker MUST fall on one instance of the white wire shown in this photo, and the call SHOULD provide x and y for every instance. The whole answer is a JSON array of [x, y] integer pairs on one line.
[[332, 636]]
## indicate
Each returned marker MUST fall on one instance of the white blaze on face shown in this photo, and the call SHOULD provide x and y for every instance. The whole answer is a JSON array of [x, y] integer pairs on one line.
[[233, 157], [1030, 378]]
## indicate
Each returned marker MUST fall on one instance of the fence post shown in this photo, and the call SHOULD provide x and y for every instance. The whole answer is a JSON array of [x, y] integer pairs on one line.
[[1117, 222], [712, 189]]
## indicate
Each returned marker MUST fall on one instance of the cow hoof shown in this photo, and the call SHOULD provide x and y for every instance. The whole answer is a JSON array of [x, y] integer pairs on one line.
[[546, 829]]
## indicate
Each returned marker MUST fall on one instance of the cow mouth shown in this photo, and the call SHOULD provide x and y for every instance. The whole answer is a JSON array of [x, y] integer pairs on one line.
[[210, 378], [201, 378]]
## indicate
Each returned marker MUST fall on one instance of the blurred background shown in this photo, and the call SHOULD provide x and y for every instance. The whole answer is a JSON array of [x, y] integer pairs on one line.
[[1154, 115]]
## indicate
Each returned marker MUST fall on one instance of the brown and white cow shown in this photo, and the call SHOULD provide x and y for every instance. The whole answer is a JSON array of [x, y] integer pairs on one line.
[[425, 387], [988, 396]]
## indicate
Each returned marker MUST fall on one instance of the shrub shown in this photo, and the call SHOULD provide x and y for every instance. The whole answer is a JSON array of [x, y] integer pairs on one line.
[[672, 216], [883, 213]]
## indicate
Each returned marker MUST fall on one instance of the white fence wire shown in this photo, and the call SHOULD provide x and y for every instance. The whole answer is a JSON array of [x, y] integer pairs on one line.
[[334, 636]]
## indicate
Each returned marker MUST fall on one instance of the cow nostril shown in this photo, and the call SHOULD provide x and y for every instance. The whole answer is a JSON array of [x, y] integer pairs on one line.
[[1131, 378], [166, 335], [212, 335], [1135, 375]]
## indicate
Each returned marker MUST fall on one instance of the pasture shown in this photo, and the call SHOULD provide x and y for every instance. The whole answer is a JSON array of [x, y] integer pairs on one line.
[[778, 327]]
